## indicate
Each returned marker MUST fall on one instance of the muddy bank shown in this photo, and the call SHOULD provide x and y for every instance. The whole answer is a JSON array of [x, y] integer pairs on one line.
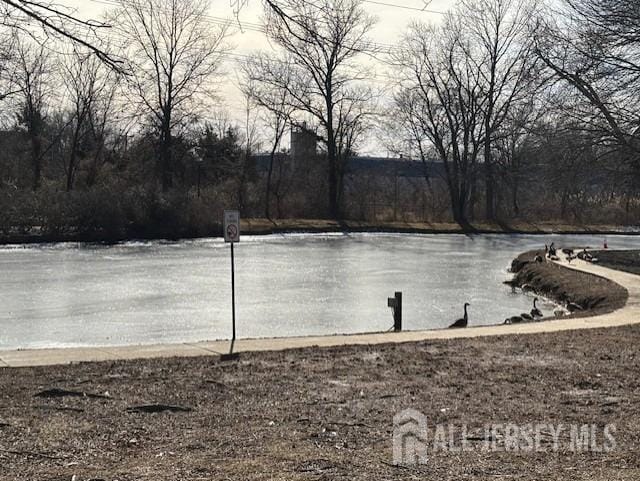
[[260, 226], [595, 295]]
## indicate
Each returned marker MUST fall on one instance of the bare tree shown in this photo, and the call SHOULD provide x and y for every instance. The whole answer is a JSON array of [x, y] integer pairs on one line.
[[91, 87], [594, 46], [509, 150], [8, 40], [55, 21], [174, 54], [251, 145], [501, 48], [323, 39], [276, 103], [441, 99], [32, 80], [401, 132]]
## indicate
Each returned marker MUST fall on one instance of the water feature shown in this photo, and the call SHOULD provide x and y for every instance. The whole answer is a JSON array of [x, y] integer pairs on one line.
[[298, 284]]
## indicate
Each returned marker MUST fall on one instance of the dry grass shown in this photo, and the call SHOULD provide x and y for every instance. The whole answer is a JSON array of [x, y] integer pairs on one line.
[[326, 413], [628, 261]]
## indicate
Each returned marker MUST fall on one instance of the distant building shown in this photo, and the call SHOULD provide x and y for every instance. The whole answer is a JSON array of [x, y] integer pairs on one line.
[[303, 149], [304, 143], [395, 167]]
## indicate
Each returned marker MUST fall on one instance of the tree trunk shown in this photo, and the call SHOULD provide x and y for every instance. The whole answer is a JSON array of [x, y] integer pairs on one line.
[[240, 191], [514, 195], [33, 129], [36, 159], [333, 179], [458, 204], [92, 175], [490, 212], [278, 205], [490, 194], [473, 199], [459, 214], [267, 206], [71, 169], [563, 204], [332, 156], [166, 159]]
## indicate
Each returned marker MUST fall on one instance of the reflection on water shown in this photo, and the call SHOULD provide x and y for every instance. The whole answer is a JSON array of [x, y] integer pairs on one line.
[[299, 284]]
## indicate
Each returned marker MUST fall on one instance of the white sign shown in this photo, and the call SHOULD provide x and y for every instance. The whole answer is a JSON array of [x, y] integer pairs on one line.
[[231, 226]]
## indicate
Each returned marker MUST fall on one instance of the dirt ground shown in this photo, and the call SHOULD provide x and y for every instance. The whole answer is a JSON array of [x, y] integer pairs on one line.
[[325, 414], [628, 261]]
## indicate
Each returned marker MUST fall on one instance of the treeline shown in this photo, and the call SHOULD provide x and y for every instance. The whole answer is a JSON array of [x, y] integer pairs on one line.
[[532, 108], [531, 111]]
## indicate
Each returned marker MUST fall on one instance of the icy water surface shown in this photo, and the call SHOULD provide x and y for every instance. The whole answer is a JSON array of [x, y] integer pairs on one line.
[[287, 285]]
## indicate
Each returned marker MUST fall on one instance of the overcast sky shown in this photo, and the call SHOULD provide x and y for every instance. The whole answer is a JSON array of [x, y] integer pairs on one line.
[[393, 19]]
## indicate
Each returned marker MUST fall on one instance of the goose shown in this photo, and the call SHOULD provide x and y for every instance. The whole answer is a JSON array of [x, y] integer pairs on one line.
[[535, 312], [572, 306], [513, 320], [526, 316], [463, 321], [585, 256]]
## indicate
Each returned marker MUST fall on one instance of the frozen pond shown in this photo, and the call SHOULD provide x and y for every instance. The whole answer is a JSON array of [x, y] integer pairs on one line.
[[287, 285]]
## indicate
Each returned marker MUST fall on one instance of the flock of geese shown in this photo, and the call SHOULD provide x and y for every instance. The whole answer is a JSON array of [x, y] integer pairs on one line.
[[533, 315], [536, 314]]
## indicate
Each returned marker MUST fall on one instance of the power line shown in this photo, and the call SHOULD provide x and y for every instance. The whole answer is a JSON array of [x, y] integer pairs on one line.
[[371, 49], [255, 27], [120, 41], [405, 7], [368, 48], [374, 2]]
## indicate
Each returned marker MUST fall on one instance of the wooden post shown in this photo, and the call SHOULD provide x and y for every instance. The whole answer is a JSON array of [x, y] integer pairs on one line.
[[395, 303], [397, 313]]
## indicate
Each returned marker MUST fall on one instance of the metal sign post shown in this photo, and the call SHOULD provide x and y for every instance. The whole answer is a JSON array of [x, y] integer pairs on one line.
[[231, 227], [233, 299]]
